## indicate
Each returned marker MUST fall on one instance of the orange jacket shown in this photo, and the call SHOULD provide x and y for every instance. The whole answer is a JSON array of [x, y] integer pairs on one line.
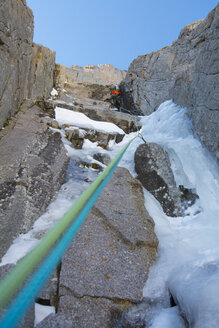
[[116, 92]]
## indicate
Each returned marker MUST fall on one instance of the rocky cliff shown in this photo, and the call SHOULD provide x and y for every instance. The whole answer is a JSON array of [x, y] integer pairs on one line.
[[16, 33], [107, 264], [187, 72], [89, 81], [26, 68], [41, 71], [33, 159]]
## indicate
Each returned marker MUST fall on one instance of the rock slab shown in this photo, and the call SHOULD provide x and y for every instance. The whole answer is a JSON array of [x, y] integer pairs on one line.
[[107, 264]]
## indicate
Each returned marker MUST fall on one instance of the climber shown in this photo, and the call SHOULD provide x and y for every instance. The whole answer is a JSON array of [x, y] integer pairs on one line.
[[115, 99]]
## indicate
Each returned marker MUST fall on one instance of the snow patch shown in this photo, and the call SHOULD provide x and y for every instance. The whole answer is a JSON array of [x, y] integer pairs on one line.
[[54, 92], [65, 116], [41, 312]]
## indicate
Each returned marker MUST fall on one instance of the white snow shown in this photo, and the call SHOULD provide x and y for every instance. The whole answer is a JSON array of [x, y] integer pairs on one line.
[[54, 92], [42, 311], [65, 116], [168, 318]]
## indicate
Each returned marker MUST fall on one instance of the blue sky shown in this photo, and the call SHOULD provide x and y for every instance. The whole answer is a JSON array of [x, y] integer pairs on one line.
[[111, 32]]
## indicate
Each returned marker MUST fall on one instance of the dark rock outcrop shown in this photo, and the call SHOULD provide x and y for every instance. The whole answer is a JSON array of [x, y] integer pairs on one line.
[[187, 72], [153, 168]]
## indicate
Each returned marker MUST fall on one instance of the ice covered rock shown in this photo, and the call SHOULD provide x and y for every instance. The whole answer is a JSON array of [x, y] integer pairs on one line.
[[195, 289]]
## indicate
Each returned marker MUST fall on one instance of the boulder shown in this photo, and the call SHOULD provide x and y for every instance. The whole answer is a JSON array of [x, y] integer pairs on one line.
[[187, 72], [154, 171], [105, 268], [33, 165]]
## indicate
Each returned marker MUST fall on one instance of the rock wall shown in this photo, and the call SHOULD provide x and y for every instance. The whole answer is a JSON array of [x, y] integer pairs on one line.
[[89, 81], [16, 33], [40, 78], [187, 72], [33, 166], [26, 68]]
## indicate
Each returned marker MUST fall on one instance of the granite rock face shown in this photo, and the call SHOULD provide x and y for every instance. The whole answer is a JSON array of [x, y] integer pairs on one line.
[[187, 72], [40, 79], [26, 68], [33, 164], [90, 81], [104, 270], [56, 321], [154, 171], [16, 33]]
